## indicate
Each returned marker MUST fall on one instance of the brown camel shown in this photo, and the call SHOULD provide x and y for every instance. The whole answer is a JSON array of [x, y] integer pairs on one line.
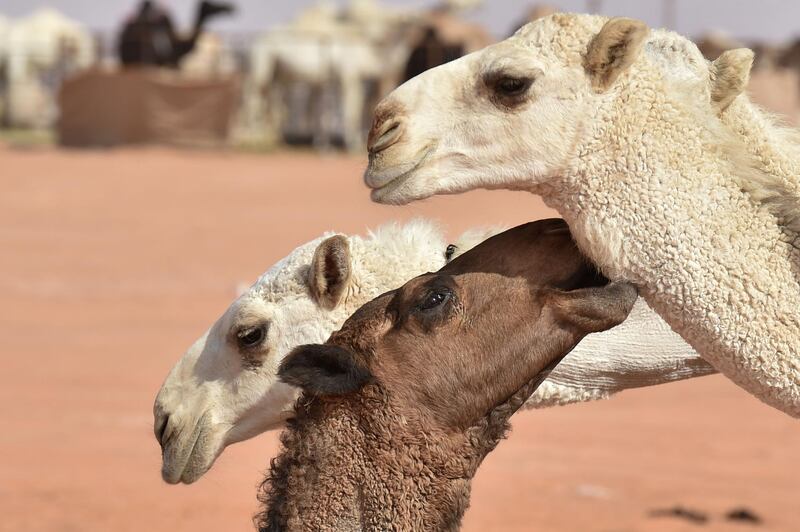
[[402, 404], [149, 38]]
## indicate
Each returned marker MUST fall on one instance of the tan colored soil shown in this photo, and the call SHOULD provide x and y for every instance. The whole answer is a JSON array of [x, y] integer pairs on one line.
[[111, 263]]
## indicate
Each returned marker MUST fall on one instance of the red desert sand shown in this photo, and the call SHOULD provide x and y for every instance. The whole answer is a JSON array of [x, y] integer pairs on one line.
[[112, 263]]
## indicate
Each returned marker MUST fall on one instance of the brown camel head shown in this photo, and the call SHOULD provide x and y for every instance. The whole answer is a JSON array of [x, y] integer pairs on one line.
[[472, 341]]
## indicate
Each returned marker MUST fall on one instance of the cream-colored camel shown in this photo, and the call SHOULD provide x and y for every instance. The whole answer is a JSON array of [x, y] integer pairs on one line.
[[325, 55], [321, 64], [328, 51], [225, 390], [42, 48], [656, 188]]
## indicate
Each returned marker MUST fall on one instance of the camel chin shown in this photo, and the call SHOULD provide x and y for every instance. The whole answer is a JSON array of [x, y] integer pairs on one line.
[[401, 190], [397, 178], [192, 454], [428, 178]]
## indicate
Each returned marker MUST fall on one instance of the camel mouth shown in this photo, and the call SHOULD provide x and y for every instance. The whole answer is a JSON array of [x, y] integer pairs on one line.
[[384, 182], [187, 463]]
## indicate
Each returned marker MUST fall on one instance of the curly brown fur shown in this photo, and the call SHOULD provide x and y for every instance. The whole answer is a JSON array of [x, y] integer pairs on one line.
[[428, 487], [387, 471]]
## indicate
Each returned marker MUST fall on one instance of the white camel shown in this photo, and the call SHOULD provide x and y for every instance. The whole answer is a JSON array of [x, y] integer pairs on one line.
[[657, 189], [325, 54], [42, 49], [321, 63], [331, 52], [225, 389]]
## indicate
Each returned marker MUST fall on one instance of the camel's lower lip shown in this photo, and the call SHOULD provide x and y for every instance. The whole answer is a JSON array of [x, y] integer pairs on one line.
[[381, 192], [384, 188], [174, 475]]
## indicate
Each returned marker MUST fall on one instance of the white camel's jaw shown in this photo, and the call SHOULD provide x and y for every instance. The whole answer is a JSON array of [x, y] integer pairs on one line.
[[396, 184], [187, 457], [188, 454]]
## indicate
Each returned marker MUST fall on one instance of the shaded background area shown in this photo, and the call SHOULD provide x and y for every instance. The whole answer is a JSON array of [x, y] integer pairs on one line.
[[113, 263]]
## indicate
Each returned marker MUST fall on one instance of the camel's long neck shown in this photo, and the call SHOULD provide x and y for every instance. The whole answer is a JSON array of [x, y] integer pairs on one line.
[[658, 198], [366, 470], [775, 148], [642, 177]]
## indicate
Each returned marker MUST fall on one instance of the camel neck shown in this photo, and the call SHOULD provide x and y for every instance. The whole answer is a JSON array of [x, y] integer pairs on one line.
[[774, 147], [362, 466]]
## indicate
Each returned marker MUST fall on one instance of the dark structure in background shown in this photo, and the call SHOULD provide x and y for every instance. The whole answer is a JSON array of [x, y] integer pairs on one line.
[[441, 37], [150, 38], [430, 51]]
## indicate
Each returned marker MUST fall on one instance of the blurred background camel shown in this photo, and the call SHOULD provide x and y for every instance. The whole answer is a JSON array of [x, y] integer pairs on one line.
[[149, 38]]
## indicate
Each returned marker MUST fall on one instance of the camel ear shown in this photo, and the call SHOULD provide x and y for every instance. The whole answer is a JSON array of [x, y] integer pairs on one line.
[[330, 271], [594, 309], [729, 76], [323, 369], [613, 50]]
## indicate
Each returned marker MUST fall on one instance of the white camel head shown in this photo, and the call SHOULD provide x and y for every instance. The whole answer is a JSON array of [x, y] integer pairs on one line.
[[537, 91], [519, 113], [225, 390]]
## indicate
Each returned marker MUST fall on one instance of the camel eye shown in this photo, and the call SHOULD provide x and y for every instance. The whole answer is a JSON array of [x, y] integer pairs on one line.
[[251, 336], [435, 298], [508, 86]]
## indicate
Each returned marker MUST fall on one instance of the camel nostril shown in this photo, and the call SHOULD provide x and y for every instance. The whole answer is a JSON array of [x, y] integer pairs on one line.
[[389, 133]]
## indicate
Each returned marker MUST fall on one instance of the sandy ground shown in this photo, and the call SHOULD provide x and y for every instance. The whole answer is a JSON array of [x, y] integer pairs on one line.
[[112, 263]]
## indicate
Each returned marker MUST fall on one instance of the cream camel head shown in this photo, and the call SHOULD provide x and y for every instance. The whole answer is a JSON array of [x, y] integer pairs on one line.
[[508, 116], [225, 389]]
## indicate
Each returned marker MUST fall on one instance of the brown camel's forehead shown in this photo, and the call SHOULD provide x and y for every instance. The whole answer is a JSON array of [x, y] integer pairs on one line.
[[379, 314], [369, 323], [509, 266], [541, 251]]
